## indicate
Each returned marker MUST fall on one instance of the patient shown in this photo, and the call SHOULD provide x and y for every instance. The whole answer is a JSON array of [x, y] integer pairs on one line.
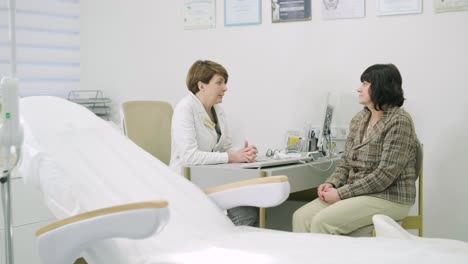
[[200, 133], [377, 174]]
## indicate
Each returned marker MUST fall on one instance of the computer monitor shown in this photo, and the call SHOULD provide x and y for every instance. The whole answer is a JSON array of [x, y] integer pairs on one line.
[[325, 130], [326, 127]]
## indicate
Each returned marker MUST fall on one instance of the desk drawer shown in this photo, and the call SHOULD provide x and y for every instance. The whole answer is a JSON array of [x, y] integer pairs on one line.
[[305, 176]]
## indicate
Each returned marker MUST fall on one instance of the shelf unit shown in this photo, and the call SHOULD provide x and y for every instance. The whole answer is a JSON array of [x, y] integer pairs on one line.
[[94, 100]]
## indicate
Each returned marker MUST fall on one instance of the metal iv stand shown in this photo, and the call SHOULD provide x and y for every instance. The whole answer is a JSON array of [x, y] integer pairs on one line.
[[7, 213], [11, 135]]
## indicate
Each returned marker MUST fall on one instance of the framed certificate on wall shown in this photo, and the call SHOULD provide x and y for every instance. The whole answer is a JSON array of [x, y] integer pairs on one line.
[[199, 14], [399, 7], [334, 9], [450, 5], [242, 12], [290, 10]]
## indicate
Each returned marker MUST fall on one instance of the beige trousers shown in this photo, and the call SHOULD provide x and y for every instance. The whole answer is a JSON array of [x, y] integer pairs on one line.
[[344, 216]]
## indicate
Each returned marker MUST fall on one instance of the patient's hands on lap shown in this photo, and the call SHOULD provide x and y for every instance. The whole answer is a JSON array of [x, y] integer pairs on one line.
[[246, 154], [327, 193], [322, 188], [330, 195]]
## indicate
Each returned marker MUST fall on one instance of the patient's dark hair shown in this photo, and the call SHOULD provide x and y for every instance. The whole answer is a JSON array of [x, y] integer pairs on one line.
[[385, 85], [203, 71]]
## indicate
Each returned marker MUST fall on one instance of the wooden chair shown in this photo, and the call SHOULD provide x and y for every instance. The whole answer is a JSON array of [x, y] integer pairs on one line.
[[416, 221]]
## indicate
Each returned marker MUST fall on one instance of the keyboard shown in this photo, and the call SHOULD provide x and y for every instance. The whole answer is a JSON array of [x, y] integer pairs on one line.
[[264, 162]]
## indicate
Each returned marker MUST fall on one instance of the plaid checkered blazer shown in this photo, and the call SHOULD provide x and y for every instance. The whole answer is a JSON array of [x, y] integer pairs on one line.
[[384, 164]]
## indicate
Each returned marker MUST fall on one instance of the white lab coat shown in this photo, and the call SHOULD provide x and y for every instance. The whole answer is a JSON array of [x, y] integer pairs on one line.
[[194, 138]]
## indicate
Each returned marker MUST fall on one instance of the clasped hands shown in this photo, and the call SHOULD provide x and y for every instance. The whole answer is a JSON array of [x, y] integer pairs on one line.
[[246, 154], [327, 193]]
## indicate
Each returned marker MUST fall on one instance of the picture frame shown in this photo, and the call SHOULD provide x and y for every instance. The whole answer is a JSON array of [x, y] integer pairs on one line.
[[242, 12], [290, 10]]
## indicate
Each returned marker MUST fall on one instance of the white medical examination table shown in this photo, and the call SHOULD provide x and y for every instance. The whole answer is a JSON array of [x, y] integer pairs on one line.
[[81, 164]]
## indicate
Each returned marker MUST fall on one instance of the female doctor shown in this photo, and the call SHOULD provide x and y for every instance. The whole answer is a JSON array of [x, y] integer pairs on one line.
[[199, 131]]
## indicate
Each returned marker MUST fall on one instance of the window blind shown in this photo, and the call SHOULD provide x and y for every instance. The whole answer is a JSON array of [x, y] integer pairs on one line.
[[48, 46]]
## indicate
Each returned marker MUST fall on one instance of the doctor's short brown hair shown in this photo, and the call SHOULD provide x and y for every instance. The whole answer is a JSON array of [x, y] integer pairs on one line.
[[203, 71]]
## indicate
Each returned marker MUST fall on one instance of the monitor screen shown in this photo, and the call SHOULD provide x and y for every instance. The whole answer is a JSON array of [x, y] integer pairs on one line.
[[325, 130], [326, 127]]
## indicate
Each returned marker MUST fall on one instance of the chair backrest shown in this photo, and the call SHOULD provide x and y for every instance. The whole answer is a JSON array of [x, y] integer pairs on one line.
[[416, 222], [419, 159], [411, 221], [148, 124]]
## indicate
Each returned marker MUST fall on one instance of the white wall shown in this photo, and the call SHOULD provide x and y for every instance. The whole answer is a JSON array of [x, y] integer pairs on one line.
[[280, 73]]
